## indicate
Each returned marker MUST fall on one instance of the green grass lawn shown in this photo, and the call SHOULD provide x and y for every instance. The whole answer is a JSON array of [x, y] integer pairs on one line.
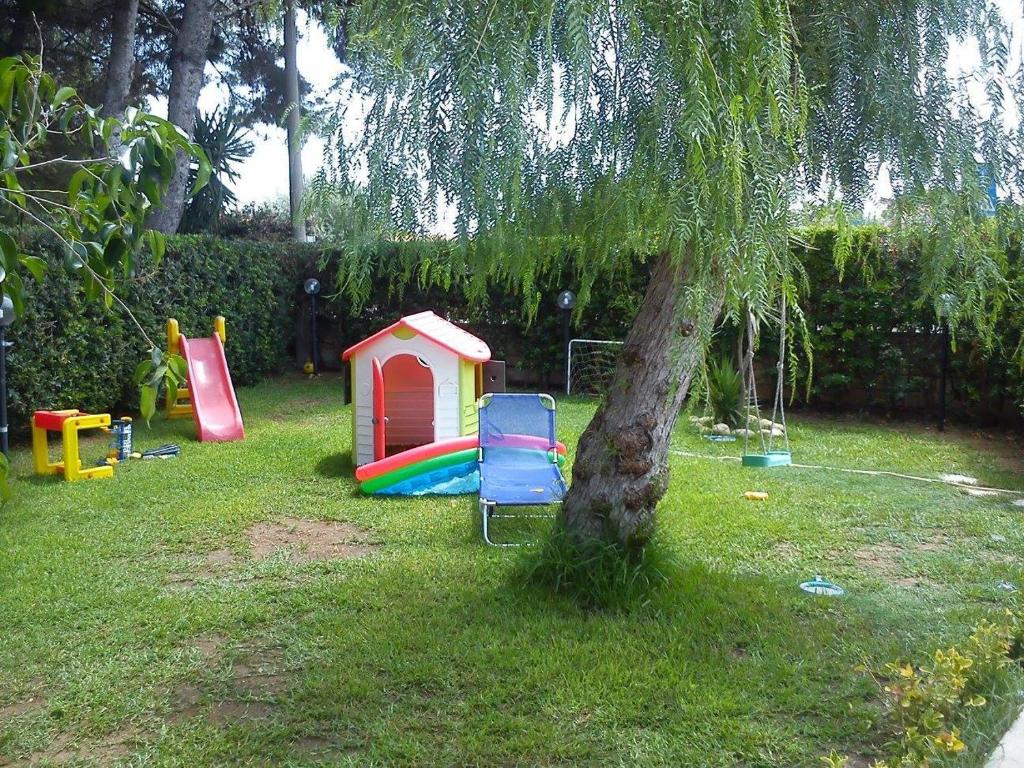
[[144, 619]]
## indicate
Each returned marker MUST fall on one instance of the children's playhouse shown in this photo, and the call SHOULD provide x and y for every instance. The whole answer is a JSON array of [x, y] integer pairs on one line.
[[413, 383], [415, 422]]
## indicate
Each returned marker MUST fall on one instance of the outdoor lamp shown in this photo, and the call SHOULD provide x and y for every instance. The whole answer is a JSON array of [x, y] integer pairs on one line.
[[312, 288], [946, 305], [566, 301]]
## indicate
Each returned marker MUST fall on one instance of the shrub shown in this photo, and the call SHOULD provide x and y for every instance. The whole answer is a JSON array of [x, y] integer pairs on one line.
[[72, 352], [725, 393], [927, 703]]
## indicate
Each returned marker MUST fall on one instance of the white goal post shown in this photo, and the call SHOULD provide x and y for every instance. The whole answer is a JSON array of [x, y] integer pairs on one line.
[[589, 365]]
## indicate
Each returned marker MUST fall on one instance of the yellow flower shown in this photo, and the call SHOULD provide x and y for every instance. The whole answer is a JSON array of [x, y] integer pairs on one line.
[[950, 741]]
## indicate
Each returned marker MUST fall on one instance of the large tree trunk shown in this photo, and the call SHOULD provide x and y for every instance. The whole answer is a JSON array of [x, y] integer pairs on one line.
[[621, 467], [187, 64], [291, 75], [121, 65]]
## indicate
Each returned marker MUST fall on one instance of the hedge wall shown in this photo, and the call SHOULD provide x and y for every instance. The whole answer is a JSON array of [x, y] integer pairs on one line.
[[874, 348], [877, 349], [69, 352], [532, 349]]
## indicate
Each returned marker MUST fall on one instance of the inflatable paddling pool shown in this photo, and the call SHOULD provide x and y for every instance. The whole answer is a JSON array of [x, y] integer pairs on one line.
[[445, 467]]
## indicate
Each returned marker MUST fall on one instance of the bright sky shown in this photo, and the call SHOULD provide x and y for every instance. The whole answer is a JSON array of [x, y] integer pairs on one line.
[[264, 177]]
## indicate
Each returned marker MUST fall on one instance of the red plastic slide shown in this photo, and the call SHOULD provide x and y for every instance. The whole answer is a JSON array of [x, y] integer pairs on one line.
[[214, 405]]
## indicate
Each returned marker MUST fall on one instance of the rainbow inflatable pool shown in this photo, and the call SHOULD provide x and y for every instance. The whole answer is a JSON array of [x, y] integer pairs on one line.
[[445, 467]]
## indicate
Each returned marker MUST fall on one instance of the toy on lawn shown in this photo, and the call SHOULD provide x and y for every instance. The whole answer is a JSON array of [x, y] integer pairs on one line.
[[415, 386], [209, 396], [770, 454], [121, 442], [68, 423]]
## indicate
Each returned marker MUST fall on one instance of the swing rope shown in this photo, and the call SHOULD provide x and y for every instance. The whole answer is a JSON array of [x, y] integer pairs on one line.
[[779, 406], [750, 383], [750, 386]]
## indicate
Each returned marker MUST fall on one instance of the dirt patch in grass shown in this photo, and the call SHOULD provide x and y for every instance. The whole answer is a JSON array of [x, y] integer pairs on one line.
[[257, 678], [32, 703], [935, 542], [880, 557], [302, 541], [309, 540], [181, 581], [229, 712], [260, 674], [220, 558], [786, 550], [209, 646], [287, 411], [114, 747], [884, 560]]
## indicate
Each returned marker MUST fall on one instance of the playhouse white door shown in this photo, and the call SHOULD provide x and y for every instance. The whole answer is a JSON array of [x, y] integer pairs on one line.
[[379, 419]]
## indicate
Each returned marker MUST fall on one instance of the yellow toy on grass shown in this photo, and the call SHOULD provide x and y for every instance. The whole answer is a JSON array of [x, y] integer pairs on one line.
[[68, 423]]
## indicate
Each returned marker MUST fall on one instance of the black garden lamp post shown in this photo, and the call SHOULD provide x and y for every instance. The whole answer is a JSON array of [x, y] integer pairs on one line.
[[947, 302], [312, 289], [566, 301], [6, 318]]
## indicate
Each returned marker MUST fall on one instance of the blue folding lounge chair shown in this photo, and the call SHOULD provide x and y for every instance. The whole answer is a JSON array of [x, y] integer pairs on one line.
[[518, 460]]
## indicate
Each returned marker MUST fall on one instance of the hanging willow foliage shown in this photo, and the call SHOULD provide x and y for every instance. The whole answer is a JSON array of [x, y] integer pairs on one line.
[[583, 133]]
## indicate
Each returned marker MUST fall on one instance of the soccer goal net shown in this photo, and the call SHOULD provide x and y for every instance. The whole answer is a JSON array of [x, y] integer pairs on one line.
[[590, 365]]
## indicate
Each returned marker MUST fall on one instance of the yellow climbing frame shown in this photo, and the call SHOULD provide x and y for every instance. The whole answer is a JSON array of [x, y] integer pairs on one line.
[[71, 423]]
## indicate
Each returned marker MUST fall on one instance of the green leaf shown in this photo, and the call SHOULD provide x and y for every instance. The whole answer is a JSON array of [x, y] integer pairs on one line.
[[157, 376], [202, 174], [15, 288], [35, 265], [8, 251], [75, 184], [7, 77], [14, 190], [142, 371], [157, 244], [76, 257], [178, 367], [10, 153], [147, 402], [62, 95]]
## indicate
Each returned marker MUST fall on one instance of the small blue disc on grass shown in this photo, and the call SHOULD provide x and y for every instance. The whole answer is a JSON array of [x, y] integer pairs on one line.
[[822, 586]]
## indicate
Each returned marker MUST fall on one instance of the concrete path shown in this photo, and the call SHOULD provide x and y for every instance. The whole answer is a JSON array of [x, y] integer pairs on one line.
[[1010, 751]]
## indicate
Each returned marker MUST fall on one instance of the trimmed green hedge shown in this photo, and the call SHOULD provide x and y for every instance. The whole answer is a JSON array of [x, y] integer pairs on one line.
[[72, 353], [875, 349]]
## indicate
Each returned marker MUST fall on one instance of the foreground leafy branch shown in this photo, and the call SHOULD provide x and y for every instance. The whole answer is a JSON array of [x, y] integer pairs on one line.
[[120, 169]]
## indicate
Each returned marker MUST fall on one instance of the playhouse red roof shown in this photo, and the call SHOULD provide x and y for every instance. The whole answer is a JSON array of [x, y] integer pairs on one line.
[[438, 330]]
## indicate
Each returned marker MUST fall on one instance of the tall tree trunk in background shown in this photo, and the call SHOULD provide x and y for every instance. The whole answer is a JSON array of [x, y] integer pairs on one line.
[[621, 468], [187, 64], [121, 65], [291, 76]]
